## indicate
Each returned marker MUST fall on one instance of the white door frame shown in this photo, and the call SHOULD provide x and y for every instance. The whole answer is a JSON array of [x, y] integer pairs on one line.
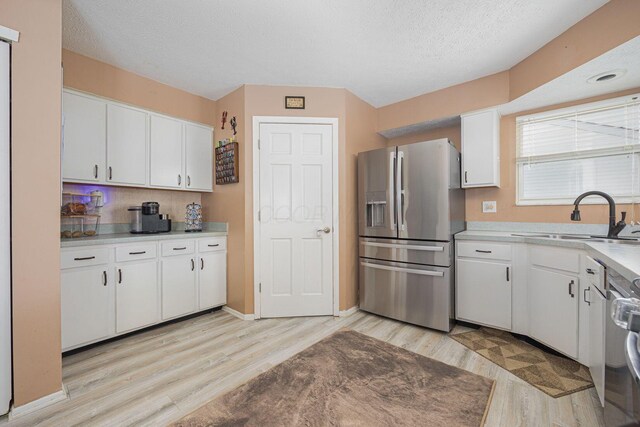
[[257, 121]]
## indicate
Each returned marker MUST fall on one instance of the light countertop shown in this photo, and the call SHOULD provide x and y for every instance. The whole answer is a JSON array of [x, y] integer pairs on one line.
[[121, 238], [624, 259]]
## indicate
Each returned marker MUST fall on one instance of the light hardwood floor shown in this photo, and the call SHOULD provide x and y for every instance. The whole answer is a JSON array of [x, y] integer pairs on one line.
[[158, 376]]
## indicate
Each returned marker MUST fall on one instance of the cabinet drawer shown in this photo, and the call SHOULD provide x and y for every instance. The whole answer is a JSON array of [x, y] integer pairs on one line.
[[135, 252], [556, 258], [484, 250], [212, 244], [83, 257], [178, 247]]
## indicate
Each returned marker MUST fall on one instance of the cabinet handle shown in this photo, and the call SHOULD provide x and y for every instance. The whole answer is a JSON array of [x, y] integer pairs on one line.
[[584, 295], [571, 289], [214, 246], [465, 177], [193, 264], [179, 249], [119, 276], [507, 274], [179, 179], [483, 252], [104, 278], [138, 253], [95, 171], [201, 263], [84, 258], [590, 271], [110, 173], [188, 181]]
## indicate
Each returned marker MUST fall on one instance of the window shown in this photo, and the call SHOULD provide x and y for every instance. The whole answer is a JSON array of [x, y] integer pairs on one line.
[[563, 153]]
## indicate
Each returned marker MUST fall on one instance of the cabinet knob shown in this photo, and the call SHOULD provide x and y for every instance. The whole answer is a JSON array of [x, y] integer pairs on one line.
[[571, 283], [104, 278], [179, 179]]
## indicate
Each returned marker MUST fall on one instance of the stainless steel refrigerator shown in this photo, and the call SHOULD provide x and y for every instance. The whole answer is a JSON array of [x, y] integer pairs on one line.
[[410, 204]]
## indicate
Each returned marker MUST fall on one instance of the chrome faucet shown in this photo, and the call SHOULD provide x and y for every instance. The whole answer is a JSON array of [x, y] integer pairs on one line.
[[614, 229]]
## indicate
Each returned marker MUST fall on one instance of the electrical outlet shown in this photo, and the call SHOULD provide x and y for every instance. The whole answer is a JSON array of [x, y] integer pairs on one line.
[[489, 206]]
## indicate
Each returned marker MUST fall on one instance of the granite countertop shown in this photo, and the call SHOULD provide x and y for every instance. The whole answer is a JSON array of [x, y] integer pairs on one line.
[[623, 258], [215, 230]]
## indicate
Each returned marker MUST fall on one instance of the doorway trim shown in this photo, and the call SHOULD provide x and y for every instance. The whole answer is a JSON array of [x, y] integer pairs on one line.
[[257, 121]]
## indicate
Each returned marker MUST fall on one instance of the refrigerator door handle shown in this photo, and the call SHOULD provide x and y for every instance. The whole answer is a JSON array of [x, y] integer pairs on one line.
[[392, 192], [400, 190], [403, 270], [412, 247]]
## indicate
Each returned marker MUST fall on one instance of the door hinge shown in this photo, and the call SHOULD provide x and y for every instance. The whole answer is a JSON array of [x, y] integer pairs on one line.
[[258, 216], [260, 287], [258, 143]]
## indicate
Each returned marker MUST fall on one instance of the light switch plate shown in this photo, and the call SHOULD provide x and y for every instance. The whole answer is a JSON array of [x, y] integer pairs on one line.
[[489, 206]]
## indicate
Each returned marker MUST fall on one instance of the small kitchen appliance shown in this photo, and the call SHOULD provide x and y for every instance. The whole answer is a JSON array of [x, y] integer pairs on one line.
[[147, 219], [193, 218]]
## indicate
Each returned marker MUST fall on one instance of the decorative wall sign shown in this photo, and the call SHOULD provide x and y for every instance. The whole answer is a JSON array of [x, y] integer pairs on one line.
[[233, 124], [294, 102]]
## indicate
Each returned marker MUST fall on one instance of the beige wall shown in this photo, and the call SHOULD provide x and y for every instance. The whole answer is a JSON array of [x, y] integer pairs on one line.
[[35, 143], [227, 203], [451, 132], [505, 196], [89, 75]]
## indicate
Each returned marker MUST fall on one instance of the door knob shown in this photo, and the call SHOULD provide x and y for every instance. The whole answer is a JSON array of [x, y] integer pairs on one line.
[[325, 230]]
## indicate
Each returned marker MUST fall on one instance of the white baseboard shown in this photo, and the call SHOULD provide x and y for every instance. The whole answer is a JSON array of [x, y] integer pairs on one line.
[[238, 314], [38, 404], [349, 312]]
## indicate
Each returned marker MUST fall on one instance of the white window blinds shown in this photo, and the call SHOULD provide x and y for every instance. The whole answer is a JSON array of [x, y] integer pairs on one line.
[[563, 153]]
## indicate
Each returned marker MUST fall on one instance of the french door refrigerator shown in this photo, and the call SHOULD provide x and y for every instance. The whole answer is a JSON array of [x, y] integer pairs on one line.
[[5, 260], [410, 204]]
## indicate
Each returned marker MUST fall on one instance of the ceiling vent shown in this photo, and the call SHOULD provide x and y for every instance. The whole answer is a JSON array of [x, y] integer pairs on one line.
[[607, 76]]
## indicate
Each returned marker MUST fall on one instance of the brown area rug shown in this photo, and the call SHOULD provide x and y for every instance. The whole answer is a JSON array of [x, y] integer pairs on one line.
[[350, 379], [555, 375]]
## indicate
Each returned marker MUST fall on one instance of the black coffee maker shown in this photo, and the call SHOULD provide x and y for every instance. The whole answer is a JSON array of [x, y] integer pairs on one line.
[[146, 219]]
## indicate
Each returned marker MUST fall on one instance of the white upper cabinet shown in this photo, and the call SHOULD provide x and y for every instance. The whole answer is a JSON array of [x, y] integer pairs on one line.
[[111, 143], [126, 145], [481, 149], [166, 149], [199, 157], [83, 158]]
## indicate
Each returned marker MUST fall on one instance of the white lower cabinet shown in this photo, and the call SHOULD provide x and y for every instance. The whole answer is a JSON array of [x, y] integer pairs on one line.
[[483, 294], [87, 305], [179, 294], [137, 295], [114, 289], [553, 309], [212, 278]]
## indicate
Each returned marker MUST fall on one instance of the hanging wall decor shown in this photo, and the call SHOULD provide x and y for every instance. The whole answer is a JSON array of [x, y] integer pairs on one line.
[[224, 118], [227, 162], [233, 124]]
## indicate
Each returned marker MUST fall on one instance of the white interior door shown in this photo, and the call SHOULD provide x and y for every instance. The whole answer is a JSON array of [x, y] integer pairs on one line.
[[296, 212]]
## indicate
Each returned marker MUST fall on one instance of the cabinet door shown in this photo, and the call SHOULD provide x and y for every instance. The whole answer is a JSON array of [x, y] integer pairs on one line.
[[481, 149], [199, 157], [83, 157], [483, 292], [553, 310], [166, 151], [597, 319], [137, 295], [87, 306], [212, 280], [126, 145], [178, 286]]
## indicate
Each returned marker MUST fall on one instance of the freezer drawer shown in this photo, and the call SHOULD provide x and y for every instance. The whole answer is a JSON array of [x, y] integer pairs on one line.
[[412, 293], [413, 251]]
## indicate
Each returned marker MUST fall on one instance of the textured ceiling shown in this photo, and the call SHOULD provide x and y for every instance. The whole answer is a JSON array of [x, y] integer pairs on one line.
[[383, 51]]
